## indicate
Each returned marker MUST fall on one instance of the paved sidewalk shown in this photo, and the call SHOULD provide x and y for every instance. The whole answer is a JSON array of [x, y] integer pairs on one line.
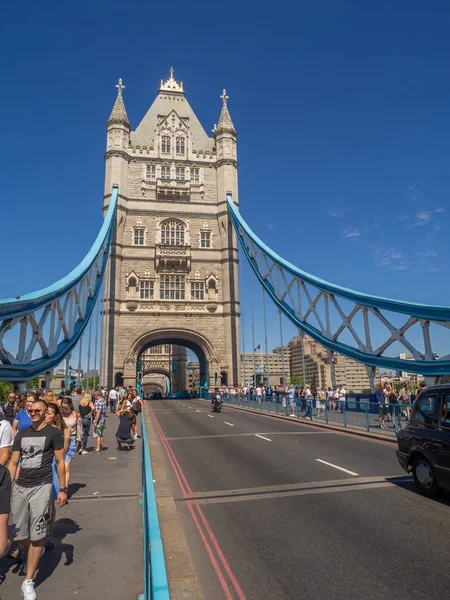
[[98, 549]]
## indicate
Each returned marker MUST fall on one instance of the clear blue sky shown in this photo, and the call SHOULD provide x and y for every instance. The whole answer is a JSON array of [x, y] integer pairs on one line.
[[342, 113]]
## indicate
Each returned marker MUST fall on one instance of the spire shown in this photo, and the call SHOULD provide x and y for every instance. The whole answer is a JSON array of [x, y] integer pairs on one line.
[[170, 85], [225, 124], [118, 113]]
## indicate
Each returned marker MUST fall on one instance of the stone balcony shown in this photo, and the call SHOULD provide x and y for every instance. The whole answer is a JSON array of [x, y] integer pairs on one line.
[[173, 190], [176, 259]]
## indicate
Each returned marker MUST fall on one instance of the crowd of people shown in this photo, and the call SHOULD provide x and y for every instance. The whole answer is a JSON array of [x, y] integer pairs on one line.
[[39, 436], [391, 404]]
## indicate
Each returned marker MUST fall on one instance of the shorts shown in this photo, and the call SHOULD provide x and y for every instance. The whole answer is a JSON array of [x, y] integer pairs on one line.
[[31, 510], [98, 431], [128, 441], [382, 410], [72, 449], [291, 401]]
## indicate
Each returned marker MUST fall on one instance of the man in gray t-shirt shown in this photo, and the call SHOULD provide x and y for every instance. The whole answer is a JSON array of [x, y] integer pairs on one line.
[[76, 399]]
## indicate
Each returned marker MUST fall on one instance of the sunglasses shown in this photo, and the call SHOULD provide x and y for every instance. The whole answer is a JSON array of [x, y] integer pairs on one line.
[[32, 411]]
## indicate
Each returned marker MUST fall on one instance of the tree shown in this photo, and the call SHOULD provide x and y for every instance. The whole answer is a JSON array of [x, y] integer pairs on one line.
[[5, 389], [33, 383], [297, 381]]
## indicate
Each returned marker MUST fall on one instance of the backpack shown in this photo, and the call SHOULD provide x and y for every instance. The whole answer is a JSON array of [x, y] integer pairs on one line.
[[136, 406]]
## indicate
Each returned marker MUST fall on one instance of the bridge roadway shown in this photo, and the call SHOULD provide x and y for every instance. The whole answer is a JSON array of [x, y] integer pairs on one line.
[[290, 526]]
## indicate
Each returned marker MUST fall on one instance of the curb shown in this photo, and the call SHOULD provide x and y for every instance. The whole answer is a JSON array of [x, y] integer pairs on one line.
[[181, 573], [351, 430]]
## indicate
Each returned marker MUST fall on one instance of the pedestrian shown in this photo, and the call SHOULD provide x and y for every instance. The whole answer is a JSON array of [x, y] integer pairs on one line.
[[99, 420], [308, 402], [54, 419], [22, 420], [113, 398], [5, 501], [35, 447], [124, 435], [380, 398], [9, 408], [391, 398], [291, 398], [6, 441], [86, 412], [72, 420], [342, 398], [404, 398], [76, 399]]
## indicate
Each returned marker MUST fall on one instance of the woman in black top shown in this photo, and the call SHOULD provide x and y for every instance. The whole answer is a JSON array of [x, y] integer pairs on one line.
[[86, 408], [127, 419]]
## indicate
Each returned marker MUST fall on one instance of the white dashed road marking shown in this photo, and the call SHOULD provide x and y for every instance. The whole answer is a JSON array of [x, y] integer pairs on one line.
[[230, 424], [210, 416], [262, 437], [324, 462], [198, 410]]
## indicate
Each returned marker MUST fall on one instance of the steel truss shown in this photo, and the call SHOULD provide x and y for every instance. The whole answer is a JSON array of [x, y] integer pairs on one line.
[[38, 330], [328, 312]]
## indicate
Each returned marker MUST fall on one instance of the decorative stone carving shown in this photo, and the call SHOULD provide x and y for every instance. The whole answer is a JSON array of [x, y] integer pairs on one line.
[[132, 305]]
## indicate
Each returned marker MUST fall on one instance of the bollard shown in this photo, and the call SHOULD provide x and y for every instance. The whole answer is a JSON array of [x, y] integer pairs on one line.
[[345, 412], [367, 417], [326, 412]]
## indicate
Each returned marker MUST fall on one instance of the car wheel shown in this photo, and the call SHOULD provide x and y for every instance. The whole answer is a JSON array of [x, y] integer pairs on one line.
[[424, 477]]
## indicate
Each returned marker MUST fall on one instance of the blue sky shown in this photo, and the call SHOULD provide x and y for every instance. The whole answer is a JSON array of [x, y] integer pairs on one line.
[[342, 113]]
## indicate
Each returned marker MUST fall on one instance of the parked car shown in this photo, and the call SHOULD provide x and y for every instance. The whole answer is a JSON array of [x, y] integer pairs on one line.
[[424, 444]]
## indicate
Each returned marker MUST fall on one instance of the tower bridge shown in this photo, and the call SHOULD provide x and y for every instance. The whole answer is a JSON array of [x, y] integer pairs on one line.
[[167, 257]]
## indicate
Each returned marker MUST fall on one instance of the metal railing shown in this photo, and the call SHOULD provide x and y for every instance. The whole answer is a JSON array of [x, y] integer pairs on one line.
[[156, 586], [355, 411]]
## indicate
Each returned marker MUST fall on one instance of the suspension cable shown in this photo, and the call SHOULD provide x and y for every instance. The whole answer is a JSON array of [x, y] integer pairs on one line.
[[265, 336], [89, 353], [79, 360], [243, 324], [253, 332], [282, 349], [95, 347]]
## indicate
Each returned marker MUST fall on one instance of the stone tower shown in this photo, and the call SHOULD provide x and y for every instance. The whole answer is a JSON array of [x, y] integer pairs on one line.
[[172, 272]]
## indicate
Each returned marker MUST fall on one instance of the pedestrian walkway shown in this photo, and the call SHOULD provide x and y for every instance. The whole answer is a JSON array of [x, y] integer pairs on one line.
[[98, 550]]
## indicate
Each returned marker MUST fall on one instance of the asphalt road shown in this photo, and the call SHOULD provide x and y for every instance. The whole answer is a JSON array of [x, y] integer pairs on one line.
[[280, 510]]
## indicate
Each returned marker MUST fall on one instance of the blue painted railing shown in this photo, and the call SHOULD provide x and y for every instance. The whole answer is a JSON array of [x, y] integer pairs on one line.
[[355, 412], [156, 586]]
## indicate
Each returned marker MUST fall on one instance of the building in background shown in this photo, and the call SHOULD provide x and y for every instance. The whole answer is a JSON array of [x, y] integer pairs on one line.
[[164, 360], [277, 376], [192, 375], [349, 373]]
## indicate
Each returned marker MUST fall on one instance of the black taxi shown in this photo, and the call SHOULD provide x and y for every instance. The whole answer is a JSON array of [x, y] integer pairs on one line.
[[424, 444]]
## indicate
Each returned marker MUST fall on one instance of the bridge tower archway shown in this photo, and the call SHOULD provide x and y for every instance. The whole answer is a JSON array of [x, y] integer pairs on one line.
[[199, 344]]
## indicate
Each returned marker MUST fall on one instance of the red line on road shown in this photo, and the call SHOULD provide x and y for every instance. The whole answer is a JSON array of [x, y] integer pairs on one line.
[[187, 493]]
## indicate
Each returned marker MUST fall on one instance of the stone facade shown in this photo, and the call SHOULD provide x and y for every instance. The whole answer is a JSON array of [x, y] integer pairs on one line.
[[172, 272]]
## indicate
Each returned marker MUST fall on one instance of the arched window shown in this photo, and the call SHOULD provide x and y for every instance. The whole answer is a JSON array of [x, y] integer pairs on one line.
[[180, 147], [172, 233], [165, 144]]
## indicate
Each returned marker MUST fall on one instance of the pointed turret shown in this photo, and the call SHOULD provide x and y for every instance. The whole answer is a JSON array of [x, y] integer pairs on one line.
[[225, 124], [117, 143], [119, 113]]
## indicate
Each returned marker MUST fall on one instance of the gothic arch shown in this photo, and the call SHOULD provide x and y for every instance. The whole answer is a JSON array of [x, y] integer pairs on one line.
[[180, 337]]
